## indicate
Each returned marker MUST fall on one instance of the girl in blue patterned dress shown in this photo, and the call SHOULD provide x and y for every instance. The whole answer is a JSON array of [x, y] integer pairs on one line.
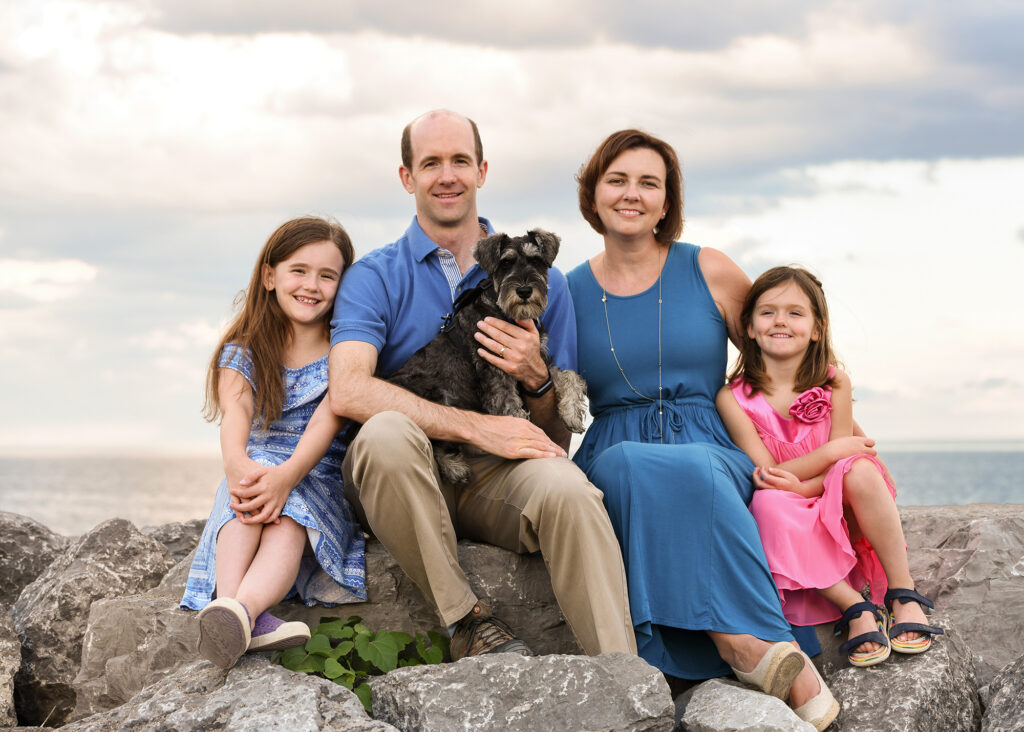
[[282, 495]]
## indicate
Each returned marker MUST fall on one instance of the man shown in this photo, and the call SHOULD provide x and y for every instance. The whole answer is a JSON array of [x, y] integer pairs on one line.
[[525, 495]]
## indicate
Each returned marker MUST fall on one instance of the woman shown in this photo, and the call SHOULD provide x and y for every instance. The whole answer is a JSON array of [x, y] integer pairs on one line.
[[652, 318]]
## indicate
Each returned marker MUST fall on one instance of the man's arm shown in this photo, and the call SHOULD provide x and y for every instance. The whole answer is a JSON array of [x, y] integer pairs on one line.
[[357, 394]]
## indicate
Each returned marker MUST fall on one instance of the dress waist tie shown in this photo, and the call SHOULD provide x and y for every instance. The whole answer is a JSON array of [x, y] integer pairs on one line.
[[664, 427]]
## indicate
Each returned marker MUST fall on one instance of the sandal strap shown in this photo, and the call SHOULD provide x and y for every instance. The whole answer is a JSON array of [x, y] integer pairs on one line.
[[904, 595], [872, 637], [914, 628], [853, 611]]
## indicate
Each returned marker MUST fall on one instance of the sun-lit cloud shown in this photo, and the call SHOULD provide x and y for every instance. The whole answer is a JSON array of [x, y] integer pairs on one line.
[[199, 332], [152, 146], [45, 280]]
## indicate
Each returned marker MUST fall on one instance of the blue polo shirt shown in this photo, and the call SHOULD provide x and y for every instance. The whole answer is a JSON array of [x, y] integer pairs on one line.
[[395, 299]]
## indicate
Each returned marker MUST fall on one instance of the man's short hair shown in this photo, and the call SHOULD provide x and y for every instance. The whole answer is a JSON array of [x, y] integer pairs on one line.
[[478, 146]]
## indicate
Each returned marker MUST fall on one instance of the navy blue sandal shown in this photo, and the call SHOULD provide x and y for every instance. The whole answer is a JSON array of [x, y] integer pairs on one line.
[[875, 636], [924, 641]]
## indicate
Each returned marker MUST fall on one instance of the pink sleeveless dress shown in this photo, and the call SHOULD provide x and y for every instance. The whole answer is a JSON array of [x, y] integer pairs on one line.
[[806, 540]]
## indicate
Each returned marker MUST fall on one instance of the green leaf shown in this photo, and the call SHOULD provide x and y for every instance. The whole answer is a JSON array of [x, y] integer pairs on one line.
[[345, 680], [438, 640], [342, 649], [307, 664], [335, 629], [364, 693], [334, 670], [361, 629], [400, 639], [293, 658], [319, 645], [430, 655], [379, 649]]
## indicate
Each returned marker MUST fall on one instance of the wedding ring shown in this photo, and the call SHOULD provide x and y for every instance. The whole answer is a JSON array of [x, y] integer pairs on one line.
[[501, 353]]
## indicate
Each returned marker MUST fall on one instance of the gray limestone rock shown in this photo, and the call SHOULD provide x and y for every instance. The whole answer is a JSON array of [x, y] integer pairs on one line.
[[134, 641], [1004, 707], [517, 586], [180, 537], [505, 691], [970, 561], [26, 549], [112, 560], [254, 696], [936, 690], [131, 642], [724, 706], [10, 660]]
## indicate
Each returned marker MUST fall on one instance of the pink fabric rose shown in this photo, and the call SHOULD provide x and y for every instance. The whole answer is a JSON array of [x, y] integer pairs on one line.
[[812, 406]]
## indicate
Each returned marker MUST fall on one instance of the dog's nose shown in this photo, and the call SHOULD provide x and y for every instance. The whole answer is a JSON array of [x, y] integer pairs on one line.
[[524, 292]]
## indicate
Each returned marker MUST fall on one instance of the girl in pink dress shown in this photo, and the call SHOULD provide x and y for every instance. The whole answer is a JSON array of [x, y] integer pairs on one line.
[[824, 503]]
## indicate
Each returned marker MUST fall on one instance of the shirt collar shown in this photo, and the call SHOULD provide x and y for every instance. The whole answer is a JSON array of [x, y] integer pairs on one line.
[[422, 245]]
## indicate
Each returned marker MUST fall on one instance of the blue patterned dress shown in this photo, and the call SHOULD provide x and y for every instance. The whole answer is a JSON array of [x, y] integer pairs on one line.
[[317, 502], [675, 485]]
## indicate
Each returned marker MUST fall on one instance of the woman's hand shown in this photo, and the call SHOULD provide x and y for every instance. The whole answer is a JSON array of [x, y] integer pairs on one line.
[[845, 447]]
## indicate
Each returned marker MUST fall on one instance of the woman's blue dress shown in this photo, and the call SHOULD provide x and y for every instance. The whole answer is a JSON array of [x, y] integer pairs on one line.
[[675, 485], [317, 502]]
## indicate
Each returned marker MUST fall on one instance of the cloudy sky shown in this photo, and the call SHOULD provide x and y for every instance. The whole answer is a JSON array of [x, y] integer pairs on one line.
[[147, 149]]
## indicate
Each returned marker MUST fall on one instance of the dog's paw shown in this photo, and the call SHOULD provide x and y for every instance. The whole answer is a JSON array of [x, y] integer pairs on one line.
[[572, 398], [453, 467]]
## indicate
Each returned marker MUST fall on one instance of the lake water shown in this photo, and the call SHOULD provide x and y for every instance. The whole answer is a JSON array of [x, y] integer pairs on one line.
[[71, 495]]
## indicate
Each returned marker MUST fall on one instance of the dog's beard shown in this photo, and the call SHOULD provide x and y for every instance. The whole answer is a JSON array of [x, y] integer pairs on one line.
[[519, 309]]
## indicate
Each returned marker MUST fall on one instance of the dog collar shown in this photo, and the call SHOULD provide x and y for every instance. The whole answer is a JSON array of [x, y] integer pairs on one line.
[[465, 298]]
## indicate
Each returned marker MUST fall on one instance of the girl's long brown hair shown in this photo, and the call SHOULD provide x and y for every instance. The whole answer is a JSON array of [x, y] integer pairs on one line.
[[814, 369], [262, 326]]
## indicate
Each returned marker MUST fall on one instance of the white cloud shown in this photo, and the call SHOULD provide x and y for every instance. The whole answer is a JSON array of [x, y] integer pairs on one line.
[[45, 280], [198, 333], [919, 262]]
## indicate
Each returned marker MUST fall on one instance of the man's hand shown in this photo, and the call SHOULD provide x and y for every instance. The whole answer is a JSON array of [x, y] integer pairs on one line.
[[511, 437], [514, 348]]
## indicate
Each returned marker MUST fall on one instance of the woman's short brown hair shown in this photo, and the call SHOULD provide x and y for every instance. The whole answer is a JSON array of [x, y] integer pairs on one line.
[[670, 227]]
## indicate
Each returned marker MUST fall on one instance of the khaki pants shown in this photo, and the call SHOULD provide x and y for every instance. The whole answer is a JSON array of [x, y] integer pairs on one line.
[[545, 505]]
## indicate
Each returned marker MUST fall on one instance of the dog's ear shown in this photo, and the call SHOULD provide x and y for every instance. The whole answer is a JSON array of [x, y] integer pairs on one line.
[[548, 244], [488, 250]]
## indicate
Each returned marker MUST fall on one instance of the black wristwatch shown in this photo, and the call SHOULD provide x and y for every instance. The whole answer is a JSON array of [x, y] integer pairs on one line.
[[544, 389]]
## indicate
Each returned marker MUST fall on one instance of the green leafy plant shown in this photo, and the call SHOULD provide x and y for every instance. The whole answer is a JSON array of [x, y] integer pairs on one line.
[[348, 653]]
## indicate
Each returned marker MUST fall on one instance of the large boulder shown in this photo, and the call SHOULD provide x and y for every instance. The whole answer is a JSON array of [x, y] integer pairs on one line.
[[133, 641], [26, 549], [255, 695], [931, 691], [10, 660], [718, 705], [112, 560], [970, 561], [614, 691], [517, 586], [1004, 700], [180, 537]]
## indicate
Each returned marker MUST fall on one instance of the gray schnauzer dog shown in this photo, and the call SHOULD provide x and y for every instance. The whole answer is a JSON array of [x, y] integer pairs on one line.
[[449, 371]]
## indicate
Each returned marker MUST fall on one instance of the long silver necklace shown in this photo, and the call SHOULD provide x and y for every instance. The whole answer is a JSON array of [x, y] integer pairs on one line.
[[611, 345]]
